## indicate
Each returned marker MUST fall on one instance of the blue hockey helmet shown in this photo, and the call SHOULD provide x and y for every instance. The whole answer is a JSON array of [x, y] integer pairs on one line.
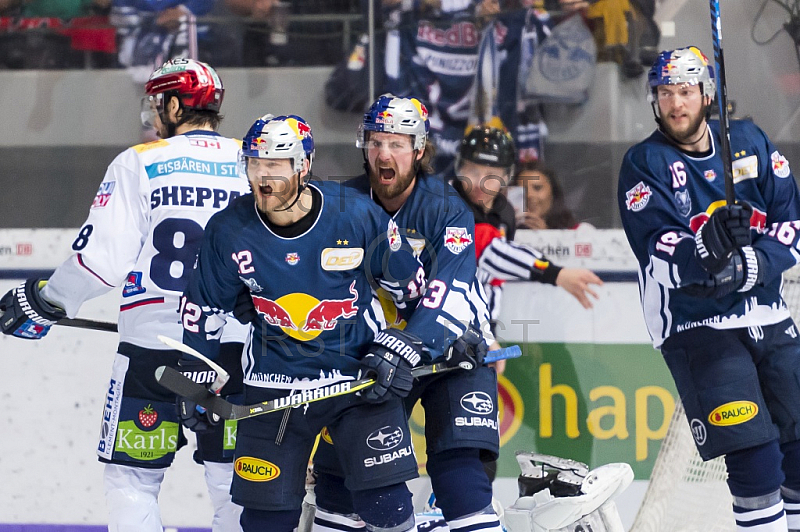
[[391, 114], [683, 65], [280, 137]]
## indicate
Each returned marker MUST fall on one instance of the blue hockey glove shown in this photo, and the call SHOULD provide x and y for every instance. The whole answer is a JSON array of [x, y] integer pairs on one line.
[[727, 230], [26, 314], [390, 360], [467, 352], [742, 272], [193, 417], [244, 310]]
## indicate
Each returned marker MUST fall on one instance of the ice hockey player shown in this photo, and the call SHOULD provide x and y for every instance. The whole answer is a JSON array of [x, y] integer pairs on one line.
[[143, 232], [710, 283], [393, 137], [307, 253]]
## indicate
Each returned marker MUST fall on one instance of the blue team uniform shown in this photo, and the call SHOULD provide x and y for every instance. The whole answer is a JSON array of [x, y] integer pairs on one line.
[[732, 386], [317, 316]]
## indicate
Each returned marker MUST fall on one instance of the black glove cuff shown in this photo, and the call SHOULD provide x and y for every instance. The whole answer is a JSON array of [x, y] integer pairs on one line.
[[405, 345], [38, 308], [547, 275]]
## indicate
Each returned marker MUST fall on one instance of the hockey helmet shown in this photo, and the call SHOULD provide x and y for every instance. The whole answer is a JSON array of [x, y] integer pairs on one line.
[[488, 145], [196, 84], [280, 137], [391, 114], [683, 65]]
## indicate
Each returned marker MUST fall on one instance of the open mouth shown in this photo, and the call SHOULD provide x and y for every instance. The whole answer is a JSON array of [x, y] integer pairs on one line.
[[386, 174], [265, 190]]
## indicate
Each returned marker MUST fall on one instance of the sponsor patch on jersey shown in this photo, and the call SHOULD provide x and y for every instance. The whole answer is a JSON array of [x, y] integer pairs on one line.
[[255, 469], [684, 202], [385, 438], [477, 403], [292, 259], [341, 259], [780, 166], [745, 168], [457, 239], [733, 413], [103, 194], [393, 236], [133, 285], [637, 197], [710, 175]]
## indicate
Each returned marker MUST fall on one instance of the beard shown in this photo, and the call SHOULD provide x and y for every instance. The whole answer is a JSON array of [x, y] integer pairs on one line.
[[688, 135], [393, 189]]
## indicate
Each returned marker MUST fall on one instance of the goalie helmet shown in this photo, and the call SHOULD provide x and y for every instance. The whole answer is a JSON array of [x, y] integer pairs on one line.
[[280, 137], [683, 65], [489, 146], [195, 84], [391, 114]]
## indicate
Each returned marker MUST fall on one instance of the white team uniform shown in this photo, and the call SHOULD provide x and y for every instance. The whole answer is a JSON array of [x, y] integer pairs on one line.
[[144, 228]]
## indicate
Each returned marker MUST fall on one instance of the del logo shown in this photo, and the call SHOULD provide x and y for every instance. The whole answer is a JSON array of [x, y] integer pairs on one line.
[[637, 197], [103, 194], [758, 220], [341, 259], [255, 469], [456, 239], [733, 413]]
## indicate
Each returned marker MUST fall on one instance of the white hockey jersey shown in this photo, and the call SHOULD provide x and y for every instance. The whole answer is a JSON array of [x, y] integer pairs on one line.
[[144, 229]]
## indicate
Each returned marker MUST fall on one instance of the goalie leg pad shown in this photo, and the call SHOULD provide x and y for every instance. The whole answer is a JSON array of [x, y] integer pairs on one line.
[[543, 512]]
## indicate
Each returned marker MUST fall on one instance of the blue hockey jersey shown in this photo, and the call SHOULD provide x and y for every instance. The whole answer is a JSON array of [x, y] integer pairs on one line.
[[666, 194], [441, 230], [313, 293]]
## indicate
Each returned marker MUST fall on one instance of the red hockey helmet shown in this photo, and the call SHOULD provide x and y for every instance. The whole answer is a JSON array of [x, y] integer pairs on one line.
[[196, 84]]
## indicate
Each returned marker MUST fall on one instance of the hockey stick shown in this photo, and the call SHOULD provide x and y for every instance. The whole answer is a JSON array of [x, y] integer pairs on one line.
[[722, 102], [222, 375], [178, 383], [93, 325]]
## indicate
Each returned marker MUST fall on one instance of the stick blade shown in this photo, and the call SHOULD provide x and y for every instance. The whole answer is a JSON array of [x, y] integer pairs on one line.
[[178, 383]]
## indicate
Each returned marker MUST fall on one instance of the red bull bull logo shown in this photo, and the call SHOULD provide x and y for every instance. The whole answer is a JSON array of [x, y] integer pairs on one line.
[[324, 316], [258, 143], [384, 117], [421, 109], [758, 220], [637, 197], [393, 236], [292, 258], [301, 129], [780, 166], [304, 317], [457, 239]]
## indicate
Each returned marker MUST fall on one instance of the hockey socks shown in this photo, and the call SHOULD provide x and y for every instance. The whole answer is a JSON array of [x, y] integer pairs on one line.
[[760, 514], [791, 505]]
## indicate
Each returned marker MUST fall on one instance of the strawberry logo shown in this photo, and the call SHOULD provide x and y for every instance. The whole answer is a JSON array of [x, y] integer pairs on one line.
[[148, 416]]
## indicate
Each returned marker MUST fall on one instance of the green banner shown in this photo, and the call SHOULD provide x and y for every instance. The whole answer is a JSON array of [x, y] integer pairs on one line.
[[595, 403]]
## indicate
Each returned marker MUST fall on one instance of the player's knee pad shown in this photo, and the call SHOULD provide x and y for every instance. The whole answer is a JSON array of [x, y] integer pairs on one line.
[[455, 473], [755, 471], [253, 520], [331, 494], [386, 509], [226, 513], [132, 498]]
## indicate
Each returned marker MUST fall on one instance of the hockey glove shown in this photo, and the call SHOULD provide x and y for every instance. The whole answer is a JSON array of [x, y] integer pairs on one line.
[[466, 352], [727, 229], [245, 311], [193, 417], [389, 361], [26, 314], [742, 272]]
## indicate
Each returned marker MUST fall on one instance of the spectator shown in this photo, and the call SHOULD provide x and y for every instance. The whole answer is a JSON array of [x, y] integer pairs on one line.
[[543, 205]]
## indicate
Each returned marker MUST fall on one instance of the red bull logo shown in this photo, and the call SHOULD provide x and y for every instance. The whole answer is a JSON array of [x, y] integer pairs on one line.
[[780, 166], [457, 239], [304, 317], [637, 197], [384, 117], [258, 143], [710, 175], [301, 129], [292, 258], [393, 236], [325, 314], [758, 220], [421, 109]]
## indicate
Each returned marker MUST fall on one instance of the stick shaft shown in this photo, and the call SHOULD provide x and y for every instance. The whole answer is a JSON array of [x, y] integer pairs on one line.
[[722, 102]]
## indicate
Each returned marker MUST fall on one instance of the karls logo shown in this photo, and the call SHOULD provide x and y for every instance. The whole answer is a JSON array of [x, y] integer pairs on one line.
[[477, 403], [255, 469], [385, 438], [733, 413]]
